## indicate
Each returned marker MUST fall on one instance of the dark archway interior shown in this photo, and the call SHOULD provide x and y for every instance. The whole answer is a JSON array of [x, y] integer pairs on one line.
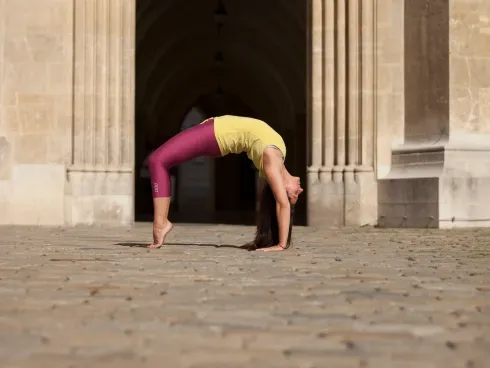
[[236, 57]]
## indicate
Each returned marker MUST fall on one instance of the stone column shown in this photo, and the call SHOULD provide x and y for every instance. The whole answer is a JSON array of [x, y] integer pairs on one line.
[[341, 180], [100, 178], [440, 176]]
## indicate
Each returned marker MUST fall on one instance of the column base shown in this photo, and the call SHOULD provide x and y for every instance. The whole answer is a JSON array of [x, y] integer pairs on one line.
[[436, 187], [341, 196], [99, 197]]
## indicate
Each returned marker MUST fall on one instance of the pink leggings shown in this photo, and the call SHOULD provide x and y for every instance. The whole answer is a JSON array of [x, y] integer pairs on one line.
[[189, 144]]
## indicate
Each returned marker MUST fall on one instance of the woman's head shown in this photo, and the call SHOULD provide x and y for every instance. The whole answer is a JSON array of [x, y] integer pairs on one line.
[[293, 187], [272, 159], [267, 233]]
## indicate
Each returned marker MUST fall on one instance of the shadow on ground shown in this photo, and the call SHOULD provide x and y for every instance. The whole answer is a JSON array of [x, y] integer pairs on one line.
[[246, 247]]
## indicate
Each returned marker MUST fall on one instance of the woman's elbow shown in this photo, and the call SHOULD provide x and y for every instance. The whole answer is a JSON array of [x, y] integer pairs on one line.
[[284, 205]]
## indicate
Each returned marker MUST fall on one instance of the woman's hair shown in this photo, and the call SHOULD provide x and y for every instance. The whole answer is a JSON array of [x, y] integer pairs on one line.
[[267, 233]]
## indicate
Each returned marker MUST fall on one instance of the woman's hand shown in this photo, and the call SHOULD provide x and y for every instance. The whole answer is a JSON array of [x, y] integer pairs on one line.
[[274, 248]]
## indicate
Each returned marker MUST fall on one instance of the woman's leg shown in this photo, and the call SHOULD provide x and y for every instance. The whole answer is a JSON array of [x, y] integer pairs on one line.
[[191, 143]]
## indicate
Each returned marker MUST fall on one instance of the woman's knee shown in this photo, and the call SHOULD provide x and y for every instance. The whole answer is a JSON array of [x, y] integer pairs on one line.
[[155, 161]]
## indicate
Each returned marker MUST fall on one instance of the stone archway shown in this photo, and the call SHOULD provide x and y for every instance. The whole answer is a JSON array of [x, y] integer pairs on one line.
[[307, 68], [250, 53]]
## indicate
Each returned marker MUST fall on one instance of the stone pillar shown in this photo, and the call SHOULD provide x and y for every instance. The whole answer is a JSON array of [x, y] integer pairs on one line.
[[440, 176], [100, 178], [341, 179]]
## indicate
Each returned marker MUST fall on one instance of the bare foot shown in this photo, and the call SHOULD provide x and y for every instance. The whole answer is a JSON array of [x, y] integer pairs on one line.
[[159, 234]]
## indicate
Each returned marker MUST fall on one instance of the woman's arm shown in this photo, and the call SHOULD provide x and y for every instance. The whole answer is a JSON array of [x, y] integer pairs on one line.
[[273, 172]]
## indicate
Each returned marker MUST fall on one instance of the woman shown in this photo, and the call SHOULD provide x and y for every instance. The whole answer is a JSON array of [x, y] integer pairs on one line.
[[218, 137]]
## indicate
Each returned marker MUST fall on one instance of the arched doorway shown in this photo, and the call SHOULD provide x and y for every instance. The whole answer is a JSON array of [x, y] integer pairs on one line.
[[222, 57]]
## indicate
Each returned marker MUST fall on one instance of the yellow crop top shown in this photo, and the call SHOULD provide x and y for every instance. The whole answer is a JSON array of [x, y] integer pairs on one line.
[[236, 134]]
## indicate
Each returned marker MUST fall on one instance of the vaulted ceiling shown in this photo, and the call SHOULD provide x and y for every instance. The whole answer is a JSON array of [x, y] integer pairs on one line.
[[252, 50]]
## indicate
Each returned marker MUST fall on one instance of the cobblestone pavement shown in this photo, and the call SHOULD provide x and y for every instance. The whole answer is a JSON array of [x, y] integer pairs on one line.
[[90, 297]]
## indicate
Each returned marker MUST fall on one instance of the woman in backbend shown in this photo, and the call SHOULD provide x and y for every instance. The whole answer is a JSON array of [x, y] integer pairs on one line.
[[218, 137]]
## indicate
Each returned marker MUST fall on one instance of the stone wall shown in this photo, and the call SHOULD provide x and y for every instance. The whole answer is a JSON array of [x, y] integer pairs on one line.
[[399, 108], [66, 123], [36, 51], [440, 175], [465, 186], [469, 80]]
